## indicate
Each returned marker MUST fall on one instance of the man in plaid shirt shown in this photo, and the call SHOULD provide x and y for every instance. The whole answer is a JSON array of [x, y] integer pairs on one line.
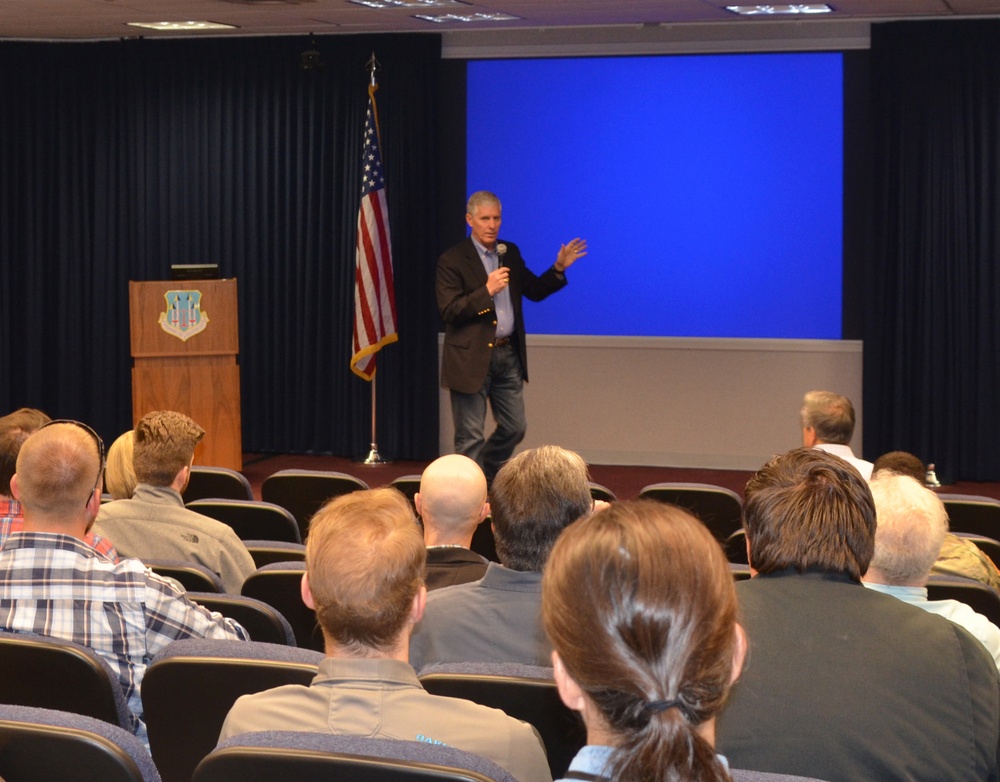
[[53, 583], [14, 430]]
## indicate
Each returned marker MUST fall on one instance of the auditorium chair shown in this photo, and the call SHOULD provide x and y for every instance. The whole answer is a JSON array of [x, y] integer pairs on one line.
[[280, 585], [191, 685], [264, 622], [719, 509], [525, 692], [279, 756], [50, 673], [972, 513], [250, 519], [216, 482], [303, 492], [45, 744]]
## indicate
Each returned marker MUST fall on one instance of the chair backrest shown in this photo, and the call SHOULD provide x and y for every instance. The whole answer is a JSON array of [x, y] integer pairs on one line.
[[264, 622], [599, 492], [218, 482], [191, 685], [51, 673], [280, 585], [483, 542], [303, 492], [318, 757], [736, 547], [720, 509], [972, 513], [267, 552], [192, 576], [408, 485], [981, 598], [741, 775], [251, 520], [43, 744], [525, 692]]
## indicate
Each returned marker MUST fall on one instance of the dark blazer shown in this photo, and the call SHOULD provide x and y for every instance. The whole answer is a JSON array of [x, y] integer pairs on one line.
[[842, 685], [466, 308]]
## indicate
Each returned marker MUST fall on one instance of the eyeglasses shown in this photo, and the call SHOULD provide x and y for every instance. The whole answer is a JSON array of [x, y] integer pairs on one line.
[[97, 440]]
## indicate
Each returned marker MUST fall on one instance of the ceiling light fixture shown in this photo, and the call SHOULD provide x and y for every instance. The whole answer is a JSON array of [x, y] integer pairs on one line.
[[480, 17], [408, 3], [185, 26], [793, 8]]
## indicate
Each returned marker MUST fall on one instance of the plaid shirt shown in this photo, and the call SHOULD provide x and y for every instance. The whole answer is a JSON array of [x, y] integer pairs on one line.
[[12, 520], [59, 586]]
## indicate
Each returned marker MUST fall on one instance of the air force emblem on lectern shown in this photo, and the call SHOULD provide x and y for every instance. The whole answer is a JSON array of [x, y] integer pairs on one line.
[[183, 317]]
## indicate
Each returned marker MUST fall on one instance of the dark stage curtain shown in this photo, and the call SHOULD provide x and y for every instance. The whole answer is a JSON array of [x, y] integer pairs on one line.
[[118, 159], [932, 339]]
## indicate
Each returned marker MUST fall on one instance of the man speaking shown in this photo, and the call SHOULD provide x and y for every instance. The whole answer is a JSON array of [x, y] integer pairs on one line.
[[480, 283]]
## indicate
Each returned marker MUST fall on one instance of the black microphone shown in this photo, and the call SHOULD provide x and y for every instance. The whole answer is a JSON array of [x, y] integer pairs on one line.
[[501, 250]]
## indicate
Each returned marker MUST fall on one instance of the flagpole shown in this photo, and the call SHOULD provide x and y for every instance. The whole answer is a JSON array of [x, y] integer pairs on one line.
[[374, 457]]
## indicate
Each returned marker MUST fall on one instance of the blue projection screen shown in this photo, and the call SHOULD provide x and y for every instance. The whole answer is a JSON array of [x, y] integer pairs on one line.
[[708, 187]]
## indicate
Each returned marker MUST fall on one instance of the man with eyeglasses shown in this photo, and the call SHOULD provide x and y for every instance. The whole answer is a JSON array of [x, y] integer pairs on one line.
[[53, 583], [14, 430]]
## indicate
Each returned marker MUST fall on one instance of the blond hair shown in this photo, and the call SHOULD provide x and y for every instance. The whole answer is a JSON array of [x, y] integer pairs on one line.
[[365, 561]]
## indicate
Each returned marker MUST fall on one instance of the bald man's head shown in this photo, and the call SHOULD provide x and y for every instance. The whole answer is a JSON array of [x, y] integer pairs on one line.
[[452, 500]]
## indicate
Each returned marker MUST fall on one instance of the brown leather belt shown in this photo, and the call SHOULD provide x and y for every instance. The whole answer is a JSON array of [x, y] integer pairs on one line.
[[499, 343]]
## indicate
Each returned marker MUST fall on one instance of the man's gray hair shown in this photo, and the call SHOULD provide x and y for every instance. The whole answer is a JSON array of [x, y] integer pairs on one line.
[[912, 524], [830, 415], [479, 198], [533, 498]]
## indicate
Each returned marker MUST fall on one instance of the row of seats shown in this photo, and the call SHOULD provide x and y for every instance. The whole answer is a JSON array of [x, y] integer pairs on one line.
[[191, 685], [290, 497]]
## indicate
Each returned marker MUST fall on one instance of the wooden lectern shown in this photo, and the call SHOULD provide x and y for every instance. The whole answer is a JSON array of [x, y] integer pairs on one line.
[[185, 339]]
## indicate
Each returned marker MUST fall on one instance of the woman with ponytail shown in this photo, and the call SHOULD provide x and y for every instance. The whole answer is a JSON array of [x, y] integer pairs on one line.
[[638, 602]]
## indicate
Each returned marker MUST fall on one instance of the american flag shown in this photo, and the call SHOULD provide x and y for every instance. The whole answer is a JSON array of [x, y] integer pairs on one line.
[[374, 299]]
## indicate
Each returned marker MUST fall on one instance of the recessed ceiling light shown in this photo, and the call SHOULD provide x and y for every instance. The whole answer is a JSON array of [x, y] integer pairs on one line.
[[408, 3], [794, 8], [480, 17], [175, 26]]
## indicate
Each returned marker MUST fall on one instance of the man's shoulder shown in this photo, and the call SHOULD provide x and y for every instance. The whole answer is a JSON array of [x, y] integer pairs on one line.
[[458, 251]]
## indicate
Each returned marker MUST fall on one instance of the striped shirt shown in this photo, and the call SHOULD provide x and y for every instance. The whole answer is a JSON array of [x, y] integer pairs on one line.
[[57, 585], [12, 520]]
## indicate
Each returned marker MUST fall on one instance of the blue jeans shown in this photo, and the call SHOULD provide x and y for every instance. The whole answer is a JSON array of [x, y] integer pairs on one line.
[[504, 387]]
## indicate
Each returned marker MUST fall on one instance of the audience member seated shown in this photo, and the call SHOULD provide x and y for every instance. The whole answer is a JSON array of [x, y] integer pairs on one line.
[[912, 523], [498, 619], [119, 477], [828, 424], [52, 583], [452, 502], [639, 604], [958, 556], [364, 577], [154, 524], [844, 683], [14, 430]]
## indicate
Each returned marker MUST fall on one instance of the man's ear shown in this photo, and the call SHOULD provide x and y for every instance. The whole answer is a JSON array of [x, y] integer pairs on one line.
[[418, 605], [417, 503], [484, 512], [746, 539], [307, 595], [739, 652], [14, 491], [181, 479]]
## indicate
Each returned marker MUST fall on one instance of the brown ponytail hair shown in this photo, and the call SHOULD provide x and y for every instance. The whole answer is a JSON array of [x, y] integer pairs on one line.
[[638, 601]]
